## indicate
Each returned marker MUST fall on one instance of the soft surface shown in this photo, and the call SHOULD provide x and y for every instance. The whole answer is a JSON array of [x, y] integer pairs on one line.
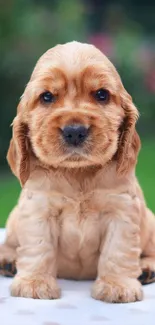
[[76, 307]]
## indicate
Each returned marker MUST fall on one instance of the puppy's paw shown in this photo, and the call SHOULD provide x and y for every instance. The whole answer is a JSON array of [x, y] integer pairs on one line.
[[35, 287], [148, 270], [111, 289], [7, 260]]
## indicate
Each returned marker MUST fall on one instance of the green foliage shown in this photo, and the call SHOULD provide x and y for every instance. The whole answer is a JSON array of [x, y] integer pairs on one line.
[[27, 30], [145, 171], [9, 192]]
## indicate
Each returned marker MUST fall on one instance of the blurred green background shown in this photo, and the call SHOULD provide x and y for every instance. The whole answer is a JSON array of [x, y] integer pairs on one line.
[[123, 30]]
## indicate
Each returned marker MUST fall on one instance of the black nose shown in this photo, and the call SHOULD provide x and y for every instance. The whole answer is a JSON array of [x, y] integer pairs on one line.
[[75, 134]]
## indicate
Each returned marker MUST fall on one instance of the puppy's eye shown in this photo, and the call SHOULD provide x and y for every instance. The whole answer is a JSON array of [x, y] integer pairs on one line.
[[47, 97], [101, 95]]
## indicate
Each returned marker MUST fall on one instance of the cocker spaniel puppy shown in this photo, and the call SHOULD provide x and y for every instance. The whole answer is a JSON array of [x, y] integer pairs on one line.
[[81, 213]]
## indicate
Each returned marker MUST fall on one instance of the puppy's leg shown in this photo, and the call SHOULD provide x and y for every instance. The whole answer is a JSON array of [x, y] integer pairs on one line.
[[147, 261], [118, 267], [36, 255], [8, 249]]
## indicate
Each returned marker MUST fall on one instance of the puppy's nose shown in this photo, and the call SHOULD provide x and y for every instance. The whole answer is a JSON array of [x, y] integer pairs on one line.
[[75, 134]]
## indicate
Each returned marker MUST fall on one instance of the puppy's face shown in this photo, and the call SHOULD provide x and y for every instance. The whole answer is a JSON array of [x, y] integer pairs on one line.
[[73, 107]]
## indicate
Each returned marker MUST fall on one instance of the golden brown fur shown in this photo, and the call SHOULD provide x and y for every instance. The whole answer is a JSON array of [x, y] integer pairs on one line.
[[81, 213]]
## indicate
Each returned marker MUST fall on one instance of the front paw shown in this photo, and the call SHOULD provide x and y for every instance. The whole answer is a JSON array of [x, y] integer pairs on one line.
[[36, 287], [111, 289]]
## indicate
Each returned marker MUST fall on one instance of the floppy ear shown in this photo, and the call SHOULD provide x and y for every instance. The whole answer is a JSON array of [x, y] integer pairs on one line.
[[129, 142], [18, 155]]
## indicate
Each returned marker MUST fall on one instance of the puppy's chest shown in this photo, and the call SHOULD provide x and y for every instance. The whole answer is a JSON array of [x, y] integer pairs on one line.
[[79, 225]]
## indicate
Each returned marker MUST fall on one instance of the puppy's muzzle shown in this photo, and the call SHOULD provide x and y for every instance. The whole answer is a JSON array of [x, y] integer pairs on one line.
[[75, 134]]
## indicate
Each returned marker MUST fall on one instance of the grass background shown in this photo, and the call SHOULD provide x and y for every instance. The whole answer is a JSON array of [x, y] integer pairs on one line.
[[10, 188]]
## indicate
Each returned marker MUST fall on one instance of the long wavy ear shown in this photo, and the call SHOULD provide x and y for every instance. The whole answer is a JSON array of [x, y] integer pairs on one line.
[[129, 142], [18, 155]]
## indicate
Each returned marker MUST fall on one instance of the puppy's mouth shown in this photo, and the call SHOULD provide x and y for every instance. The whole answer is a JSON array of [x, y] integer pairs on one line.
[[76, 159], [76, 150], [76, 154], [76, 140]]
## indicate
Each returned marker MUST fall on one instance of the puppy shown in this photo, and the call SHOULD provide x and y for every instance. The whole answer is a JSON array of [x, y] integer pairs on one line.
[[81, 213]]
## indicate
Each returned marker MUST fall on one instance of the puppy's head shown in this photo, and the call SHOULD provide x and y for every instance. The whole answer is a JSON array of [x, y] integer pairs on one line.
[[74, 113]]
